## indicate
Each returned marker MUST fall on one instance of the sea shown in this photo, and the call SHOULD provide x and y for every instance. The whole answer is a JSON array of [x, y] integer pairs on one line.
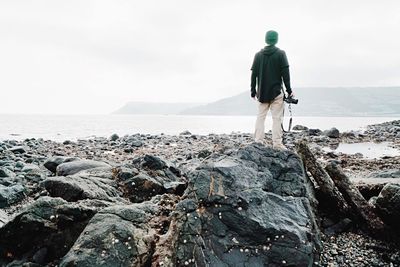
[[74, 127]]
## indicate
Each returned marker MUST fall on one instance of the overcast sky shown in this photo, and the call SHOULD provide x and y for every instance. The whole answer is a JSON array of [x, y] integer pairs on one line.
[[94, 56]]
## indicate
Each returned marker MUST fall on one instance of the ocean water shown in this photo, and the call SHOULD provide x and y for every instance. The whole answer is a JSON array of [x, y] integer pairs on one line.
[[72, 127]]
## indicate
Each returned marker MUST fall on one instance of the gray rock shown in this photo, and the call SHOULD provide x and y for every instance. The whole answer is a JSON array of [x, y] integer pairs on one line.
[[114, 137], [185, 133], [117, 236], [17, 149], [11, 195], [393, 173], [30, 167], [76, 187], [388, 203], [137, 143], [154, 163], [47, 228], [332, 133], [300, 128], [249, 209], [73, 167], [52, 163], [142, 187], [4, 172], [314, 132], [33, 172], [204, 153]]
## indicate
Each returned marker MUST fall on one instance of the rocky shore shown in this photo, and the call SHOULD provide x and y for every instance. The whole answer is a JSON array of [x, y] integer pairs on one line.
[[189, 200]]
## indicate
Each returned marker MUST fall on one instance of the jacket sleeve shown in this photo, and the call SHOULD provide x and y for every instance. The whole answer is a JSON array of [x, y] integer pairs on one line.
[[285, 73], [254, 76]]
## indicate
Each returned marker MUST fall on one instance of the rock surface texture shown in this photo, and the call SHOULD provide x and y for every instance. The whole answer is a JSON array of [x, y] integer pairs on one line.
[[248, 209]]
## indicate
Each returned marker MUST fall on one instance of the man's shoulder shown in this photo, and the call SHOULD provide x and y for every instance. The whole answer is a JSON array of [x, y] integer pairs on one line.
[[280, 51]]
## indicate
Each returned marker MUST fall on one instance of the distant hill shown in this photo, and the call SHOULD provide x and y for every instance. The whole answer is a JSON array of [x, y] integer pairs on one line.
[[154, 108], [352, 101], [355, 101]]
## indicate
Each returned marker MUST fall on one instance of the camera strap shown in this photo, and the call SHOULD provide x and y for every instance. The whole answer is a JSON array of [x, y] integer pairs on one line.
[[290, 114]]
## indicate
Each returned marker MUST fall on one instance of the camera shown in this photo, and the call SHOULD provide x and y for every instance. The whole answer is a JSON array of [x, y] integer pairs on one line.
[[291, 100]]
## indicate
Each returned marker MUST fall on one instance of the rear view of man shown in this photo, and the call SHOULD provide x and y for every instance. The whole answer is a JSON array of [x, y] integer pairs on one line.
[[269, 68]]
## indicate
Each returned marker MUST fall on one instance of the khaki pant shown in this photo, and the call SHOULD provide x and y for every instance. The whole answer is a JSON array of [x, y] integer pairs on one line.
[[276, 107]]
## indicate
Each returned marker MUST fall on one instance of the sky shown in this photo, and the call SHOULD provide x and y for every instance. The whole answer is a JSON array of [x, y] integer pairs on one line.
[[91, 57]]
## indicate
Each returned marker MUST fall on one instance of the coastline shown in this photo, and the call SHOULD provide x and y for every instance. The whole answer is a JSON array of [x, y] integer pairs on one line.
[[23, 162]]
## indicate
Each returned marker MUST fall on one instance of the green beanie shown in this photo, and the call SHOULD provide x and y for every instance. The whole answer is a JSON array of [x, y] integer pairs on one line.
[[271, 37]]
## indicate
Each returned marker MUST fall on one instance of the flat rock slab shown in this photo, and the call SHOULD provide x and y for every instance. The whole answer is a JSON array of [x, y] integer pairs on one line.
[[73, 167]]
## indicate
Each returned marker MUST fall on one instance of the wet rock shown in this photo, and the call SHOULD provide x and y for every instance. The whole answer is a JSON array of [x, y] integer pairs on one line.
[[73, 167], [332, 133], [388, 203], [122, 235], [11, 194], [114, 137], [17, 149], [154, 163], [49, 225], [248, 209], [392, 173], [142, 187], [76, 187], [185, 133], [300, 128], [4, 172], [314, 132], [136, 143], [32, 172], [52, 163], [204, 153]]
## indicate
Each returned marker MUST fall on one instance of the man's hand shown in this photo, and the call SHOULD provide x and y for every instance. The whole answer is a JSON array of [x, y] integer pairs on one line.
[[253, 95]]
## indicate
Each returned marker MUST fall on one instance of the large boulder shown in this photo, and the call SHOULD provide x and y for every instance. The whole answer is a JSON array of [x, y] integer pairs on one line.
[[73, 167], [45, 230], [248, 209], [11, 194], [388, 204], [122, 235]]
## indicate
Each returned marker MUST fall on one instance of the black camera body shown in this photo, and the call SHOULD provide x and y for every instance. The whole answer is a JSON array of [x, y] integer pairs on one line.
[[291, 100]]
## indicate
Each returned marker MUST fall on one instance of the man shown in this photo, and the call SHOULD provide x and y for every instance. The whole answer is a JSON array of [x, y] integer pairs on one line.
[[269, 68]]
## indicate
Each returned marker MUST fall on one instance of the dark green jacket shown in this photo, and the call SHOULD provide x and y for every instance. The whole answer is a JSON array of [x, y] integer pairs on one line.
[[269, 68]]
